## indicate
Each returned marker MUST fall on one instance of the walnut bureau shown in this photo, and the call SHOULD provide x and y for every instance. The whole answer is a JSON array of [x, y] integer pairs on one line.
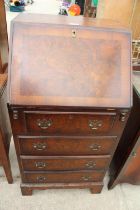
[[69, 98]]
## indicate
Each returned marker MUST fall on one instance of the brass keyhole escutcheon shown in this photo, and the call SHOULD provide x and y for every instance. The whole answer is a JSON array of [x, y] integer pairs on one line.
[[73, 34]]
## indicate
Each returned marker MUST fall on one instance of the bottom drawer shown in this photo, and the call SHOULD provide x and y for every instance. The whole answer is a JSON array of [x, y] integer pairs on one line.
[[63, 177]]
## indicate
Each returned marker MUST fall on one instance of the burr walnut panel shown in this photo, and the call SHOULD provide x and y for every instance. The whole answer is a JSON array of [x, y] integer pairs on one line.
[[62, 63], [74, 65]]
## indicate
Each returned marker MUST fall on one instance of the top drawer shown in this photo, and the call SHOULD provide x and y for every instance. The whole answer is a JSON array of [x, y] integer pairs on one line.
[[65, 123]]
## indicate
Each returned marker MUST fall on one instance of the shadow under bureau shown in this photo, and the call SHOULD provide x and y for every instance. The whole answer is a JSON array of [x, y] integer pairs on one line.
[[68, 102]]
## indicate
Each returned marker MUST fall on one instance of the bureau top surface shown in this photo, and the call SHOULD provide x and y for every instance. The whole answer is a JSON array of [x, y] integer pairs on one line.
[[69, 61]]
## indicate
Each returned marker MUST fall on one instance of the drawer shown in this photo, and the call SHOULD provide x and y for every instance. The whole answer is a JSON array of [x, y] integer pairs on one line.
[[36, 163], [66, 145], [63, 177], [69, 123]]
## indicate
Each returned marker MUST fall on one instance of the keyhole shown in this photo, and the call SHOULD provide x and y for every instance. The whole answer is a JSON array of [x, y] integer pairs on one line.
[[73, 33]]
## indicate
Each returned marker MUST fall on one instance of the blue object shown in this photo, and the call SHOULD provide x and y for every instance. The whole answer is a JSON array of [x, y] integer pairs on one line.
[[95, 3], [17, 8]]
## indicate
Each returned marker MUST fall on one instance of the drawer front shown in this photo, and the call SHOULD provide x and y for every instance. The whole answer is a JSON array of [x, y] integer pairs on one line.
[[66, 145], [33, 163], [73, 124], [64, 177]]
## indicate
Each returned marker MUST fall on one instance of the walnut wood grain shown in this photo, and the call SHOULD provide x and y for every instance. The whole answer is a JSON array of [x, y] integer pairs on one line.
[[65, 122], [63, 176], [51, 163], [67, 145], [68, 77], [69, 123]]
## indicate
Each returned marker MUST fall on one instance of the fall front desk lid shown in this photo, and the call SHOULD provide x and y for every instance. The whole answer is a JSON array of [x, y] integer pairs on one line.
[[69, 61]]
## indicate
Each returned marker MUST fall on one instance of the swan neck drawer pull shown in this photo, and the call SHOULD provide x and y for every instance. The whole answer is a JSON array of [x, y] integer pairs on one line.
[[44, 124], [95, 124], [39, 146], [40, 165], [86, 178], [41, 179], [90, 164], [95, 147]]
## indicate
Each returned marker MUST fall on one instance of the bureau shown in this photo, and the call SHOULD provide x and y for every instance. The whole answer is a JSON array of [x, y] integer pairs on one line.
[[68, 103]]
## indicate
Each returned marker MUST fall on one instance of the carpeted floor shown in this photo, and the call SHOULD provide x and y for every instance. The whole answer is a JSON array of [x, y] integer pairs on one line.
[[122, 197]]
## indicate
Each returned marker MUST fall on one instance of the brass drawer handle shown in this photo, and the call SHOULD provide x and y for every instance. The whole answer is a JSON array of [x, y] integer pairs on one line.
[[39, 146], [40, 165], [95, 147], [41, 179], [90, 164], [44, 124], [95, 124], [86, 178]]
